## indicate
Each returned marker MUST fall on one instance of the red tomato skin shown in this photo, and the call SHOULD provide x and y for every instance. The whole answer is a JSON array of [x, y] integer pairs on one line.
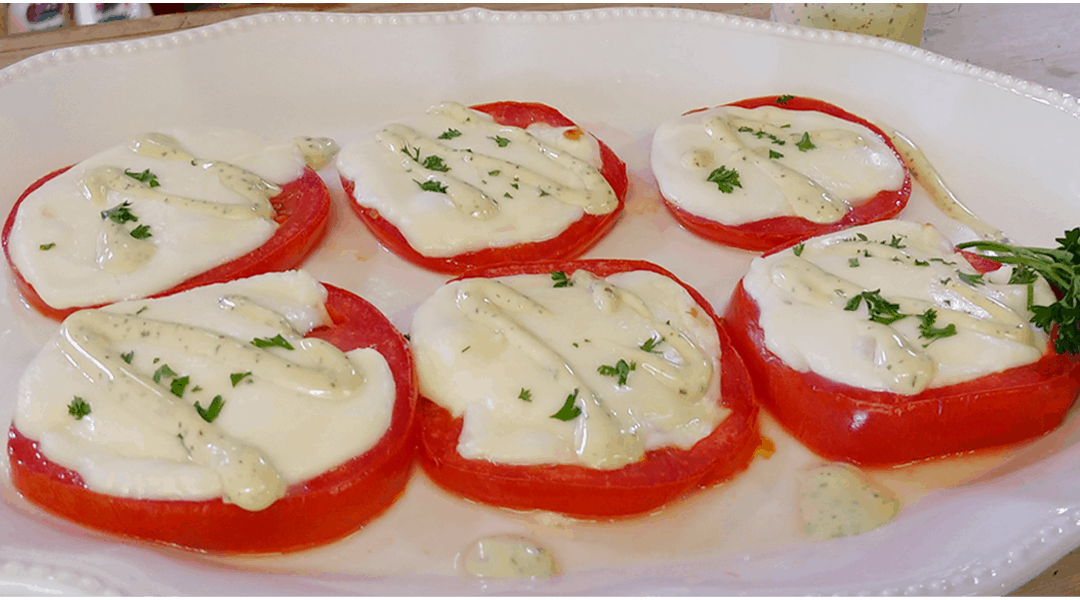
[[776, 232], [863, 427], [574, 241], [302, 211], [312, 513], [662, 477]]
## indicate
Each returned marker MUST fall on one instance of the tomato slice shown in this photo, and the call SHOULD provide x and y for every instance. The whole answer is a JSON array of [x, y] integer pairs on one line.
[[573, 241], [663, 476], [776, 232], [863, 427], [302, 211], [320, 510]]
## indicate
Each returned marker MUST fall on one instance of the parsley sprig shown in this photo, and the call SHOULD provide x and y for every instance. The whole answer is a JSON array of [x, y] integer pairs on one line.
[[1061, 268]]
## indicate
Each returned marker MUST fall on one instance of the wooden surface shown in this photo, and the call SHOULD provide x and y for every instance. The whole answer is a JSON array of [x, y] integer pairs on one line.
[[1033, 42]]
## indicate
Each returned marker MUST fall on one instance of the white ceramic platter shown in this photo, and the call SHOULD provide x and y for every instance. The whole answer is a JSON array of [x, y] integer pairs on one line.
[[1006, 147]]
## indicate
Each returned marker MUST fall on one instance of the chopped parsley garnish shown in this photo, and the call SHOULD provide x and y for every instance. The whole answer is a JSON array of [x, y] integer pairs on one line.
[[494, 173], [48, 246], [236, 378], [569, 411], [179, 385], [277, 341], [929, 332], [650, 344], [127, 357], [620, 370], [881, 310], [119, 214], [525, 395], [921, 263], [543, 193], [449, 134], [784, 99], [146, 177], [761, 133], [804, 143], [413, 155], [435, 163], [1061, 268], [560, 279], [895, 242], [798, 248], [971, 279], [163, 372], [141, 232], [853, 262], [725, 179], [501, 141], [211, 413], [775, 154], [432, 185], [78, 408]]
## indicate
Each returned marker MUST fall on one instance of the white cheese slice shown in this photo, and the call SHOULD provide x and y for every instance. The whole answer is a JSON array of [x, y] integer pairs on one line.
[[805, 300], [300, 411], [484, 184], [630, 363], [208, 206], [785, 162]]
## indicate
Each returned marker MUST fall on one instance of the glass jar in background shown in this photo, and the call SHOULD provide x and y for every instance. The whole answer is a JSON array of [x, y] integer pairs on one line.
[[900, 22]]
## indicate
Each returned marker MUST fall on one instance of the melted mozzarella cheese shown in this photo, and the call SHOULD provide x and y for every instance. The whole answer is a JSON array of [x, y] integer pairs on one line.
[[143, 366], [816, 310], [454, 181], [97, 234], [777, 172], [593, 373]]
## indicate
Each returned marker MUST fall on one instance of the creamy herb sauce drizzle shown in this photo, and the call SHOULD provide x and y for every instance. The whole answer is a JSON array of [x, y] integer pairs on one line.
[[88, 339], [777, 162], [807, 199], [93, 343], [838, 500], [182, 214], [453, 180], [942, 197], [982, 323], [507, 557], [548, 346]]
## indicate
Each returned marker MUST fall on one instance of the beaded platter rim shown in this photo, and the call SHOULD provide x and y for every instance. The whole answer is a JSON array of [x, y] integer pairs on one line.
[[44, 60], [990, 574]]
